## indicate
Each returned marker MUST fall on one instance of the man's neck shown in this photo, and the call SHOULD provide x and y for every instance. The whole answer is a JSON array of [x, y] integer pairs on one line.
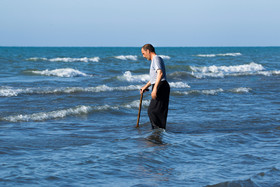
[[153, 55]]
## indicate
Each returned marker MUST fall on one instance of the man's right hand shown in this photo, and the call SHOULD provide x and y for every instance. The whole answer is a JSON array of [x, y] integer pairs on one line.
[[143, 90]]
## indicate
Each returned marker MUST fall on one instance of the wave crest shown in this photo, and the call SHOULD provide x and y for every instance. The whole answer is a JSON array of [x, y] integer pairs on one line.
[[65, 59], [9, 92], [12, 92], [165, 57], [49, 115], [215, 55], [79, 110], [214, 91], [179, 85], [126, 57], [64, 72], [127, 76], [221, 71]]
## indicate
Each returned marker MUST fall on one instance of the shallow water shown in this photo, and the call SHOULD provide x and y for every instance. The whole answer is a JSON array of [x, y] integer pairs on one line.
[[68, 116]]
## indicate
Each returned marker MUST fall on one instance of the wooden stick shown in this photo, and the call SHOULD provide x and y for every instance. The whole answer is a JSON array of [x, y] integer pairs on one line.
[[140, 105]]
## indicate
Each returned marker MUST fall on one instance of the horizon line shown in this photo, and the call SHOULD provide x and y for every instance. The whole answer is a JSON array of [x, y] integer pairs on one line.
[[141, 46]]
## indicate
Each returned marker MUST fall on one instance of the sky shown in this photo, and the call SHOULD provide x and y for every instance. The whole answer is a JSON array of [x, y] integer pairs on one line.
[[124, 23]]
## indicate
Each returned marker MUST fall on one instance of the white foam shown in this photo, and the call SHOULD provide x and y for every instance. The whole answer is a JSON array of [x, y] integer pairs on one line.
[[212, 92], [135, 104], [42, 116], [179, 85], [165, 57], [222, 54], [126, 57], [215, 91], [37, 59], [49, 115], [206, 55], [241, 90], [105, 107], [104, 88], [221, 71], [230, 54], [203, 92], [79, 110], [231, 69], [8, 92], [64, 72], [100, 88], [276, 72], [127, 76], [269, 73], [66, 59]]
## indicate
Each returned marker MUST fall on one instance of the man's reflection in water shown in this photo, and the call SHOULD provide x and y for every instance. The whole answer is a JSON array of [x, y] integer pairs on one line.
[[156, 137]]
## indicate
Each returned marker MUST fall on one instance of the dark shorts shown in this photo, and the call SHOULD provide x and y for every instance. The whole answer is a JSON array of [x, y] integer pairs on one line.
[[158, 108]]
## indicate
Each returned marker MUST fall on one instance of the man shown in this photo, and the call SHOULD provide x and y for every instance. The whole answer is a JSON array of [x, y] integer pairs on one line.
[[158, 107]]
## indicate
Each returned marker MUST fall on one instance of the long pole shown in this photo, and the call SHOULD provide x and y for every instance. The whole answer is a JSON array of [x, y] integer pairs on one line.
[[140, 105]]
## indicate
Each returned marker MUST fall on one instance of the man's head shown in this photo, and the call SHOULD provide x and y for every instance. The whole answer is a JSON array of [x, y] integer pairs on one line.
[[147, 51]]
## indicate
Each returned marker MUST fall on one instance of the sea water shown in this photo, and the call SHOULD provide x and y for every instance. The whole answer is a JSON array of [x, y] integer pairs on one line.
[[68, 117]]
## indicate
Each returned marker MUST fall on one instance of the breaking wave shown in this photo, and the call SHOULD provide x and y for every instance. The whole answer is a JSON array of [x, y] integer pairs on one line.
[[221, 71], [134, 57], [11, 92], [75, 111], [214, 91], [215, 55], [49, 115], [135, 104], [269, 73], [65, 59], [165, 57], [126, 57], [64, 72], [240, 90], [37, 59], [87, 59], [179, 85], [127, 76], [229, 69]]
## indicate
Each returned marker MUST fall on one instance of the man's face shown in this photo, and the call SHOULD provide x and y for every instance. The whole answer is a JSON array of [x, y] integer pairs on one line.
[[146, 54]]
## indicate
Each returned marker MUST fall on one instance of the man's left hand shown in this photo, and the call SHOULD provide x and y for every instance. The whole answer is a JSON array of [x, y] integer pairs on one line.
[[154, 94]]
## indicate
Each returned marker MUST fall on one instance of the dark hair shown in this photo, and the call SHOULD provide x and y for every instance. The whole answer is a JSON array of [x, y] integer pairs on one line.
[[149, 47]]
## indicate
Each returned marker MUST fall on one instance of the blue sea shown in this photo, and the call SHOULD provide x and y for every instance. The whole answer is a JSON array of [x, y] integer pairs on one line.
[[68, 117]]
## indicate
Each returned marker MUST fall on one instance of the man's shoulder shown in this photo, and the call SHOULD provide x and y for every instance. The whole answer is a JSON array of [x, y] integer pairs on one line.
[[157, 58]]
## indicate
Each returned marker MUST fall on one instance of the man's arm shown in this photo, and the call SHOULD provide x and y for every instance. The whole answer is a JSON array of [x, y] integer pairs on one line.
[[159, 76], [143, 89]]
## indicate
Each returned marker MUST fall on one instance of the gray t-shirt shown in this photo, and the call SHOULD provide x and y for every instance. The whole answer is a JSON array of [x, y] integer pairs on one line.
[[156, 64]]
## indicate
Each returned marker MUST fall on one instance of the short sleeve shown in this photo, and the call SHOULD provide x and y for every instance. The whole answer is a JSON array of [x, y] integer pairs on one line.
[[158, 64]]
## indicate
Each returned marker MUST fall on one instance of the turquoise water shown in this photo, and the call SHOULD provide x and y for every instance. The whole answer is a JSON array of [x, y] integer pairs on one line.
[[68, 117]]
